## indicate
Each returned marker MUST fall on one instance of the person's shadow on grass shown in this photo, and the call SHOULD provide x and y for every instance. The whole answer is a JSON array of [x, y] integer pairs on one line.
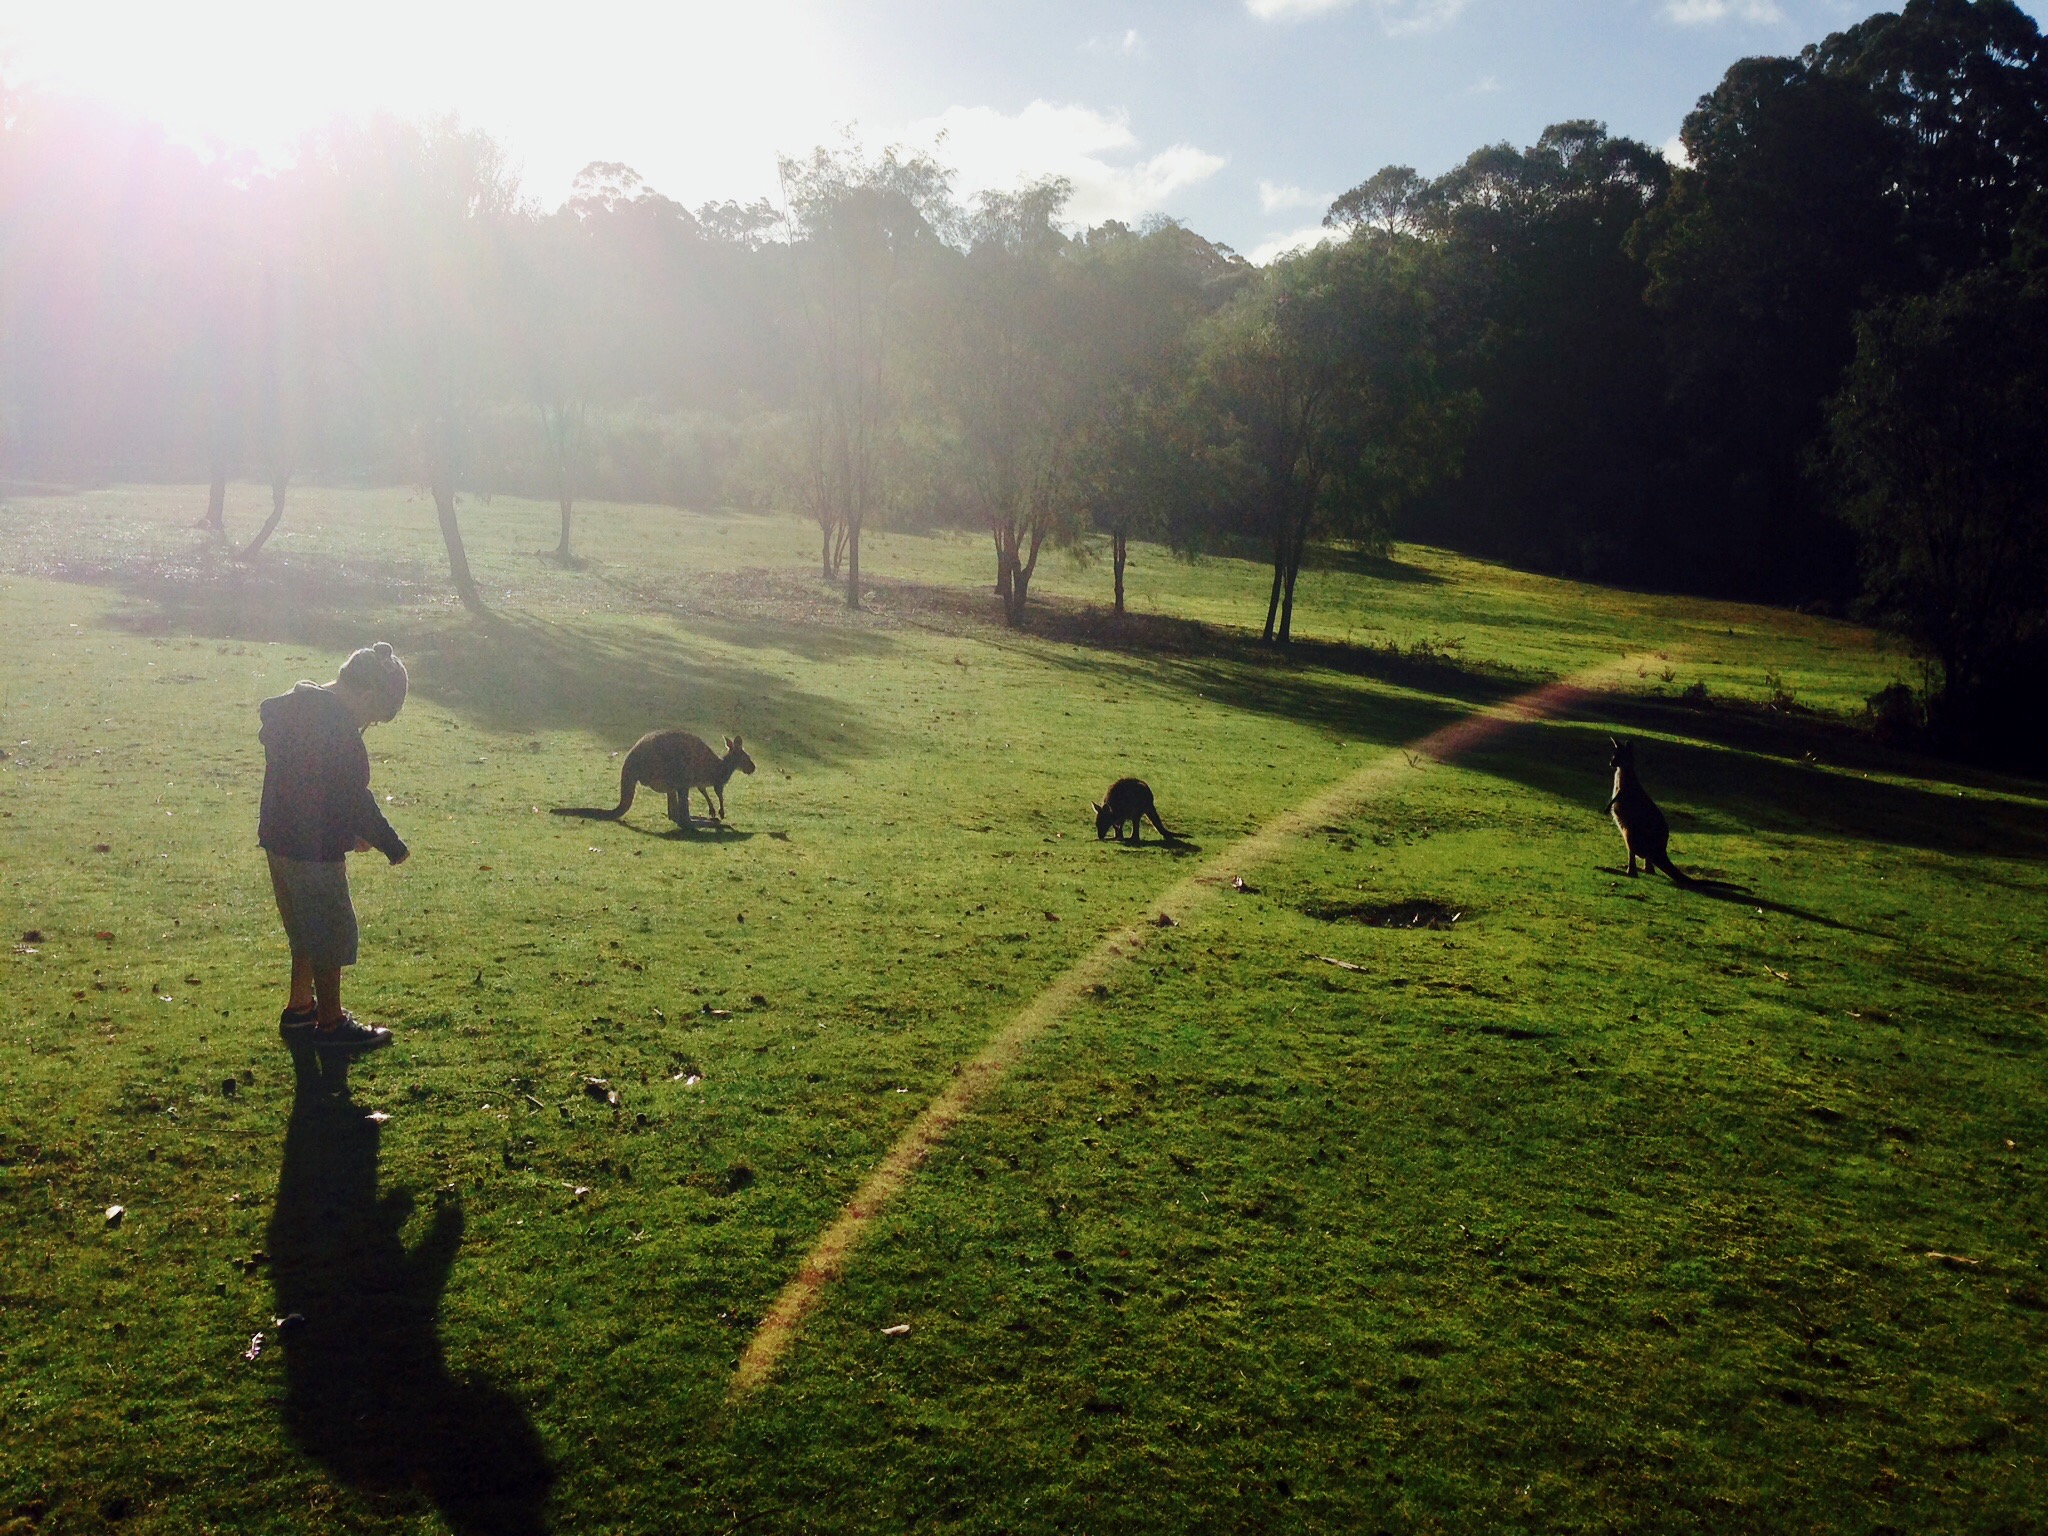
[[368, 1392]]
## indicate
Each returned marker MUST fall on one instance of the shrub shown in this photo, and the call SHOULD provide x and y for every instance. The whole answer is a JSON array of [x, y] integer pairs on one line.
[[1896, 715]]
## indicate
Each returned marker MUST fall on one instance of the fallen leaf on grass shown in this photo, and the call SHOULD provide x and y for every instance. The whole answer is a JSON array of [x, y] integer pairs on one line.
[[377, 1117], [579, 1192], [115, 1213], [896, 1332], [255, 1347], [1164, 921], [105, 933], [1239, 883], [1781, 975], [716, 1013], [1954, 1260], [1342, 965], [597, 1088]]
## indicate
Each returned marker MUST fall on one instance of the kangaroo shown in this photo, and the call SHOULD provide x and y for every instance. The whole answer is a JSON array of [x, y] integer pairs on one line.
[[1644, 831], [674, 762], [1128, 800]]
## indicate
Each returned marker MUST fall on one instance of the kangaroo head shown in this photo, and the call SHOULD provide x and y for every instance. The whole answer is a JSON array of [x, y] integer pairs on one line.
[[736, 755], [1624, 754], [1102, 822]]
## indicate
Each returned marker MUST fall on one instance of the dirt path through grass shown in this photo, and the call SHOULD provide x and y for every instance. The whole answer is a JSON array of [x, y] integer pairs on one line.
[[827, 1258]]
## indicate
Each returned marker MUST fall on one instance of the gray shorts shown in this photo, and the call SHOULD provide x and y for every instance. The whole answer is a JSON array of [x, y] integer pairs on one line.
[[319, 919]]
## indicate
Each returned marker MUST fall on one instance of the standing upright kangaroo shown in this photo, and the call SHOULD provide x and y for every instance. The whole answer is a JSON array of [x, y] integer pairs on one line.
[[1644, 831], [674, 762]]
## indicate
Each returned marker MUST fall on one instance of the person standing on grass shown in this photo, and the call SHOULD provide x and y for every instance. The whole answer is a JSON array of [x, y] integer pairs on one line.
[[317, 809]]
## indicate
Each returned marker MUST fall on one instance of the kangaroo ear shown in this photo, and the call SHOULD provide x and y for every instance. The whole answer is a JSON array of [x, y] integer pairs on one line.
[[1614, 744], [1098, 809]]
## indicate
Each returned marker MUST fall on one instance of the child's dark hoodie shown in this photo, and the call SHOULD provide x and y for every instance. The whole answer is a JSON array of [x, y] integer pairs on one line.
[[316, 780]]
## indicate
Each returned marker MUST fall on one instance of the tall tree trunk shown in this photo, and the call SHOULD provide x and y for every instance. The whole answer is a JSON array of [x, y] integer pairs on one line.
[[1021, 572], [1279, 572], [280, 480], [1120, 550], [441, 481], [215, 521], [1297, 546], [563, 554], [853, 563], [827, 565], [1005, 555]]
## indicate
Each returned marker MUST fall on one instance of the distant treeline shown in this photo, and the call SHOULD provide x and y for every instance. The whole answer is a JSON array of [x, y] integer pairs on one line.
[[1809, 363]]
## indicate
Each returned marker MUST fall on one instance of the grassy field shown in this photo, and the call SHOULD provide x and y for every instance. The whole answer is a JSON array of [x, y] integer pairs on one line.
[[1611, 1206]]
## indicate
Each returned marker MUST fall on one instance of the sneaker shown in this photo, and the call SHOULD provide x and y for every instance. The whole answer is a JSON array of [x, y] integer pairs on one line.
[[350, 1034], [293, 1024]]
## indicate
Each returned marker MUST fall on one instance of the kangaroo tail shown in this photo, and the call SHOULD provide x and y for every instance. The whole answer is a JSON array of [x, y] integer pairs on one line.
[[1678, 876], [1170, 836], [591, 813]]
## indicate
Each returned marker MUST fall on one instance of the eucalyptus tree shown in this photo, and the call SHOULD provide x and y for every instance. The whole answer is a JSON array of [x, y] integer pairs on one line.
[[1318, 393], [1537, 310], [1938, 447], [1016, 370], [414, 223], [1138, 460], [859, 230]]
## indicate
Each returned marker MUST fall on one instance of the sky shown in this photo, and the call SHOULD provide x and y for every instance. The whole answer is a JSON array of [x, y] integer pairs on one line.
[[1242, 118]]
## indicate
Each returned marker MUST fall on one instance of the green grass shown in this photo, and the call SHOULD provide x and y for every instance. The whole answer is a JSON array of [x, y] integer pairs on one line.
[[1611, 1208]]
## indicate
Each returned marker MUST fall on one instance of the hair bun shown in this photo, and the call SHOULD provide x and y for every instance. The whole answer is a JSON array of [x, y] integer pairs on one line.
[[383, 650]]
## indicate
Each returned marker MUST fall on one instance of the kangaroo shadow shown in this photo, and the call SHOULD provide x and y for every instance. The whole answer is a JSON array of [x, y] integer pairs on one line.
[[1173, 848], [368, 1391], [1742, 896], [695, 830]]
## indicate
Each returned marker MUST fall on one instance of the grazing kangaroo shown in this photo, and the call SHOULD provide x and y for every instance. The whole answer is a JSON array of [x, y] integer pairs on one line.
[[674, 762], [1128, 800], [1644, 831]]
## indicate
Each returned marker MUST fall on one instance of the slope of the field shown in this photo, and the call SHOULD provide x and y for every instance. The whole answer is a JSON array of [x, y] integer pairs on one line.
[[1609, 1205]]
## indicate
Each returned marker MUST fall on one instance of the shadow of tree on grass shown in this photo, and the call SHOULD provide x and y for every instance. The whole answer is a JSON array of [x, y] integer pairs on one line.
[[615, 677], [368, 1391]]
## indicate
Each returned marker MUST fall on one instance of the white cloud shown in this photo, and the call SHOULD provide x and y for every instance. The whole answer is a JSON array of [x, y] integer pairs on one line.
[[1294, 240], [1398, 17], [1706, 13], [1096, 151], [1485, 86], [1674, 150], [1129, 44], [1273, 197], [1291, 10]]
